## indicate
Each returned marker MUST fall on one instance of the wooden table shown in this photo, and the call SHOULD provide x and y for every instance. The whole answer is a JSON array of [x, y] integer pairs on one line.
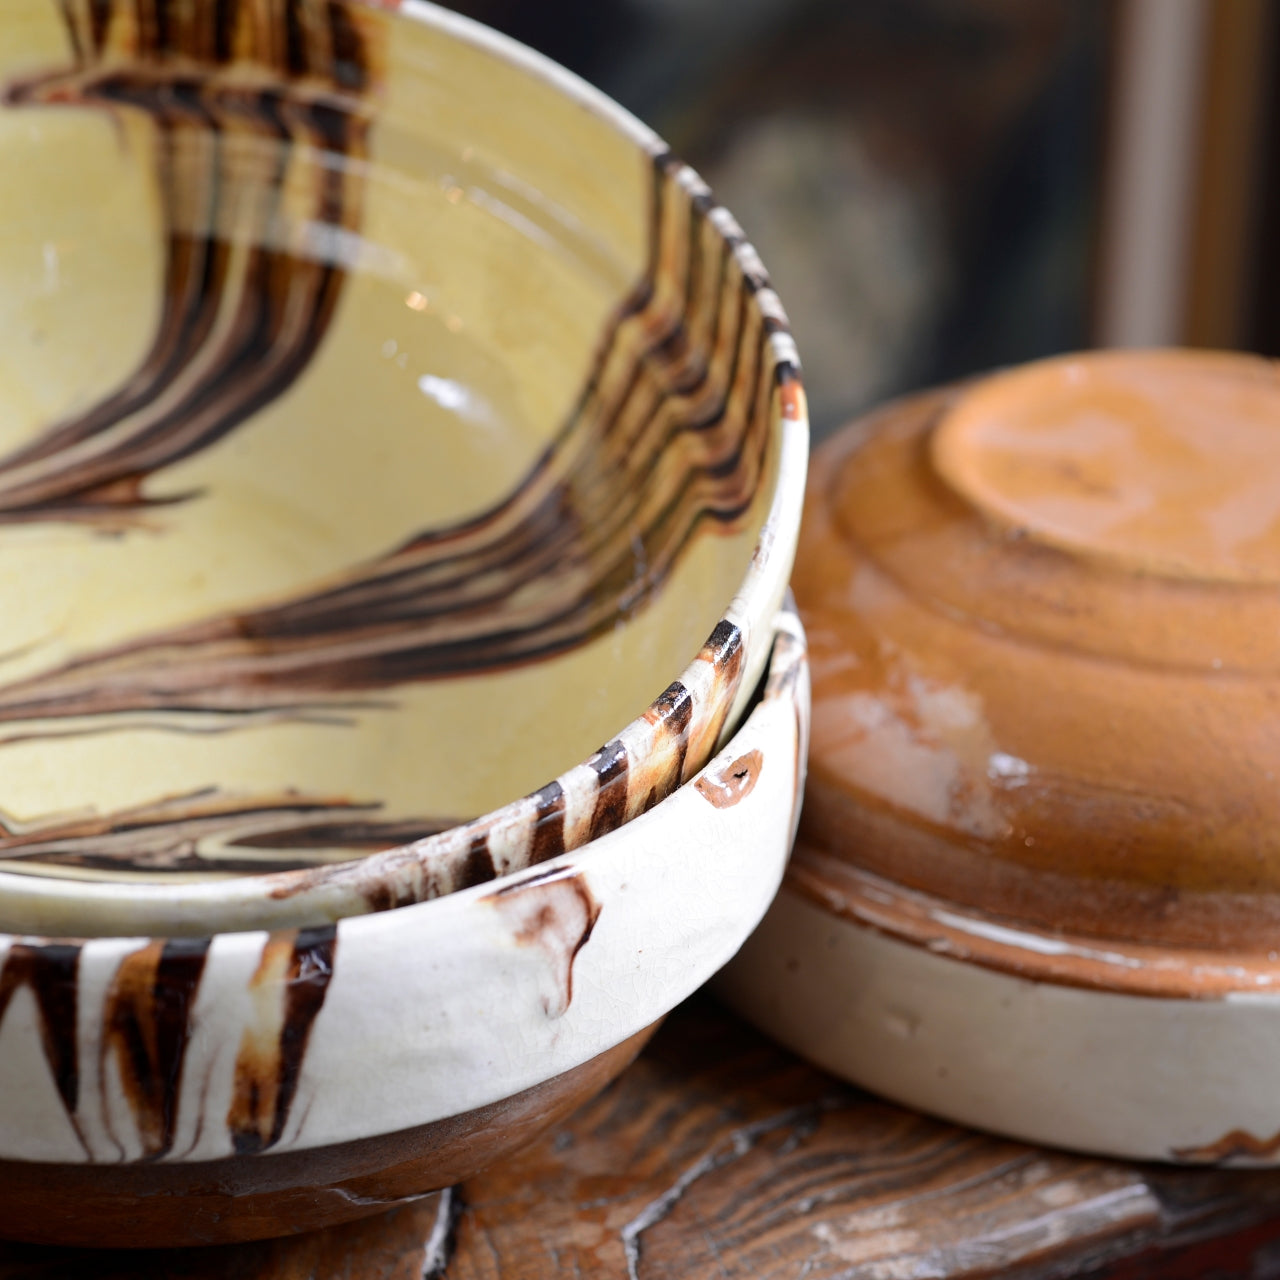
[[719, 1155]]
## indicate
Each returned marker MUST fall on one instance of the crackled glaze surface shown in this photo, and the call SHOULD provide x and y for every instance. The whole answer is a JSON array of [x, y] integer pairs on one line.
[[367, 458], [250, 1045]]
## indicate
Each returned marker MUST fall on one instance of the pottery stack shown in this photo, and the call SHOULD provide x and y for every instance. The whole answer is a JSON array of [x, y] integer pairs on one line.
[[387, 421]]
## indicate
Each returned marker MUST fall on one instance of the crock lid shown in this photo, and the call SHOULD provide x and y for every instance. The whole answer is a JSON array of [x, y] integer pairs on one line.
[[1044, 616]]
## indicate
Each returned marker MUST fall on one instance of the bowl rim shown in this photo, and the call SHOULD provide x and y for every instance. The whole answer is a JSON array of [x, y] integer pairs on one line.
[[513, 982], [787, 640], [402, 875]]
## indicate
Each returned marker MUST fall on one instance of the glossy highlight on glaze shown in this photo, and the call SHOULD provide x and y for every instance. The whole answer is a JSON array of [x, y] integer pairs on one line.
[[670, 436], [293, 978]]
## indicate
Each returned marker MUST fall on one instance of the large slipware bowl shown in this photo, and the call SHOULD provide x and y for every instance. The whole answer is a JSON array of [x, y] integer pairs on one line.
[[386, 421], [1037, 882], [176, 1091]]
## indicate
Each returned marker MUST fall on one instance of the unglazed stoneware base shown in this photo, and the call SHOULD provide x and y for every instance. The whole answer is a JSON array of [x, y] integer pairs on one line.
[[248, 1198], [1138, 1052]]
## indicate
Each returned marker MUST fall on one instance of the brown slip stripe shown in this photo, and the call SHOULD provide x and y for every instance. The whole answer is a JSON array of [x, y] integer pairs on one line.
[[146, 1027], [236, 327], [51, 972], [269, 1063], [582, 529]]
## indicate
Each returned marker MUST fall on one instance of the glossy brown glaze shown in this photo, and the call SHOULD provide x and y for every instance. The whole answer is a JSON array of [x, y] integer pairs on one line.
[[1042, 628], [941, 927], [1156, 462], [293, 977], [146, 1030], [1231, 1146], [254, 1197]]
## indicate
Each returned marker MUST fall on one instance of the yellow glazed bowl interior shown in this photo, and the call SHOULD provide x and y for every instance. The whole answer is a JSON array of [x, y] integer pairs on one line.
[[385, 420]]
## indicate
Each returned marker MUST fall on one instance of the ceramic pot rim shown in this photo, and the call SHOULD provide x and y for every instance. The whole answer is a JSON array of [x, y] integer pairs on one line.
[[325, 894], [968, 936], [787, 639]]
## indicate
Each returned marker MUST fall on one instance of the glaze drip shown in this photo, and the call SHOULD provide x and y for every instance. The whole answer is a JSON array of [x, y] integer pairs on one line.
[[51, 972], [290, 987], [147, 1026], [556, 913]]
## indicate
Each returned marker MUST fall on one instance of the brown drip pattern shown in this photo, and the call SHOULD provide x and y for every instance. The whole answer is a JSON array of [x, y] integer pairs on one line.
[[671, 433], [556, 913], [51, 971], [148, 1022], [147, 1027], [290, 986], [94, 466]]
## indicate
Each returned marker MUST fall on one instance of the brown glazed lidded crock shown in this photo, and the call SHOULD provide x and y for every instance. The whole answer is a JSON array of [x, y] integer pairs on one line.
[[1036, 887], [1044, 611]]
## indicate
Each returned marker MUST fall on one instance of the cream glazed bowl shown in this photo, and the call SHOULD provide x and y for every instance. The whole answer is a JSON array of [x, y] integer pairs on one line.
[[386, 421], [175, 1091]]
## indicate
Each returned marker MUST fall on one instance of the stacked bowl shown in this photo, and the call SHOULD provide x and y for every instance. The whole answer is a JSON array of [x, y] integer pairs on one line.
[[386, 420]]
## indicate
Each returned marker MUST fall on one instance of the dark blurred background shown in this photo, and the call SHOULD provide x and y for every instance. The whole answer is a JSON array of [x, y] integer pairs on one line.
[[942, 186]]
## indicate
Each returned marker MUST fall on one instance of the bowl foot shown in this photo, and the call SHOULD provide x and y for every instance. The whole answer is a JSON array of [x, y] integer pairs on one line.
[[256, 1197]]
